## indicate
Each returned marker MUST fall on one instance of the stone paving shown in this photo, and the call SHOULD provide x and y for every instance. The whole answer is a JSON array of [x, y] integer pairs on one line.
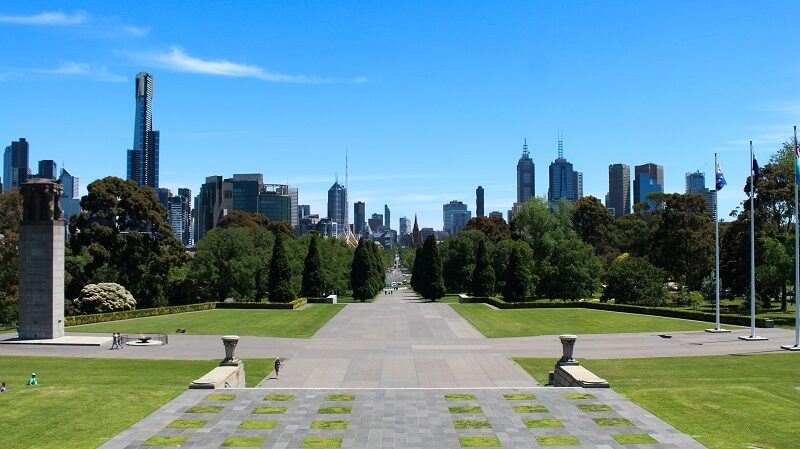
[[405, 419]]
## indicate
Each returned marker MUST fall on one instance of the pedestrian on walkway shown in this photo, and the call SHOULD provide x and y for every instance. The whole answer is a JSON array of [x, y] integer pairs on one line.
[[278, 366], [120, 344], [114, 341]]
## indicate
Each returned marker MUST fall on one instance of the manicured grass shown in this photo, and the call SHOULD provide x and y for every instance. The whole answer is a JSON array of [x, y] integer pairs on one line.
[[595, 408], [321, 424], [220, 397], [269, 410], [541, 423], [479, 442], [530, 409], [724, 402], [279, 397], [243, 442], [258, 424], [459, 397], [340, 397], [334, 410], [165, 441], [465, 409], [612, 422], [472, 424], [266, 323], [575, 396], [558, 440], [519, 397], [446, 299], [634, 438], [187, 424], [530, 322], [322, 442], [205, 409]]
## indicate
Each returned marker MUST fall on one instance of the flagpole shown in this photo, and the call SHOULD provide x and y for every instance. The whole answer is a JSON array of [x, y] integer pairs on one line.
[[753, 176], [717, 328], [796, 346]]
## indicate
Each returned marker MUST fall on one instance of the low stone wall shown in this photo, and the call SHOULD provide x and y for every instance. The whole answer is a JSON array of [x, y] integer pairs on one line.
[[577, 376], [221, 377]]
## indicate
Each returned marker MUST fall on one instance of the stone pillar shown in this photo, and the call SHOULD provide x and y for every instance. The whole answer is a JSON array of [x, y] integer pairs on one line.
[[230, 342], [41, 261], [567, 348]]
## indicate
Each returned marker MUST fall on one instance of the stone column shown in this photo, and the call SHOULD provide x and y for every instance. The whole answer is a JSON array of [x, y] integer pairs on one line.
[[41, 261], [567, 347], [230, 342]]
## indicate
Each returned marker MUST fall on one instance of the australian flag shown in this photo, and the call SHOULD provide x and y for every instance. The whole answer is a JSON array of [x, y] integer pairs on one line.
[[755, 174], [797, 160], [720, 178]]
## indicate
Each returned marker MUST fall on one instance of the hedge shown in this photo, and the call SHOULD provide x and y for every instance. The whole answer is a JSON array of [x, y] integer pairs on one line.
[[300, 302], [140, 313]]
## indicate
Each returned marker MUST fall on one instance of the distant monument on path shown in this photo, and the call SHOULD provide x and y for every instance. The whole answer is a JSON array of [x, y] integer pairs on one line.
[[41, 261]]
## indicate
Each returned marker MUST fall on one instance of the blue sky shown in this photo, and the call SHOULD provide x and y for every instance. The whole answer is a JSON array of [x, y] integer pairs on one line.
[[430, 99]]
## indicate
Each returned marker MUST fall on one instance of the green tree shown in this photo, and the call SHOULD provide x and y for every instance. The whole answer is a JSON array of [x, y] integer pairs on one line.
[[571, 272], [313, 277], [483, 280], [432, 286], [631, 234], [458, 259], [494, 228], [518, 277], [591, 221], [634, 280], [10, 219], [280, 273], [774, 270], [417, 276], [242, 219], [360, 273]]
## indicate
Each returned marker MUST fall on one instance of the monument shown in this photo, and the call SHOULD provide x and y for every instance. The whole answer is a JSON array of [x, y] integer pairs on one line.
[[41, 261]]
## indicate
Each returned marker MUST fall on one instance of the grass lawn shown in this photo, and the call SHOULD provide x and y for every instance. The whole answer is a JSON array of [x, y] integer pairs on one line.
[[724, 402], [265, 323], [531, 322]]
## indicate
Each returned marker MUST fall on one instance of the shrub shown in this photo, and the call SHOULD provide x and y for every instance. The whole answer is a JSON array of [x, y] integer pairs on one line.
[[633, 280], [104, 297]]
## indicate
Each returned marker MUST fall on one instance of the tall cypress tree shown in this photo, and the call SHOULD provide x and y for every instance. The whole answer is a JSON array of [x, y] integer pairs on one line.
[[378, 279], [433, 285], [416, 274], [518, 276], [483, 278], [360, 273], [313, 279], [280, 274]]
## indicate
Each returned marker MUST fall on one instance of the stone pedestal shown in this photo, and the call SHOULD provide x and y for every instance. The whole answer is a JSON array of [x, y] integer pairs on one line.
[[230, 342], [567, 348], [41, 262]]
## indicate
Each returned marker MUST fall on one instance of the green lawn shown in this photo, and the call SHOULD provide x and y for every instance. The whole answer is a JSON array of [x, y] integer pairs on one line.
[[724, 402], [530, 322], [266, 323]]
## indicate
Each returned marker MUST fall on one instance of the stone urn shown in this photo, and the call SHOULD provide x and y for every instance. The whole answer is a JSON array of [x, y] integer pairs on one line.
[[230, 342], [567, 347]]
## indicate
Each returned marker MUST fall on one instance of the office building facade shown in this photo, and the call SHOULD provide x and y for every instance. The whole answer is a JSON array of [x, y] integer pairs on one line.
[[648, 178], [618, 200], [337, 206], [387, 217], [479, 201], [48, 169], [696, 183], [143, 158], [15, 164], [526, 176], [360, 217], [455, 216], [564, 182]]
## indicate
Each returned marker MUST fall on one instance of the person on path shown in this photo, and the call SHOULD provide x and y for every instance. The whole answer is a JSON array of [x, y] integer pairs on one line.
[[114, 341], [278, 366], [32, 380], [120, 345]]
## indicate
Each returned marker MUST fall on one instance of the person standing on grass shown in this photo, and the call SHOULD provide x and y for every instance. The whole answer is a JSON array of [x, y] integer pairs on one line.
[[278, 366]]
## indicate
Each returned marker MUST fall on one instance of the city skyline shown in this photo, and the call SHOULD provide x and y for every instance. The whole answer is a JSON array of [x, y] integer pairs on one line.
[[269, 110]]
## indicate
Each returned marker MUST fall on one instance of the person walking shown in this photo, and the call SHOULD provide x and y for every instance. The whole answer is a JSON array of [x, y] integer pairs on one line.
[[114, 341], [278, 366]]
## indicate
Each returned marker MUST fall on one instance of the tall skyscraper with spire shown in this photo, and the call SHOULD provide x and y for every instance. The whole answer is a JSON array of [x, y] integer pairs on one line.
[[143, 157], [337, 206], [565, 182], [526, 177]]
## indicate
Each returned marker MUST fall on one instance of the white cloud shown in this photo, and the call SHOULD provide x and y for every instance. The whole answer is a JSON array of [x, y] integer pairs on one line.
[[52, 18], [791, 108], [80, 69]]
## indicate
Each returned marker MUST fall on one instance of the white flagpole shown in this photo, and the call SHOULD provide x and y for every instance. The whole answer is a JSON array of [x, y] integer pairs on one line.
[[753, 335], [796, 346], [717, 328]]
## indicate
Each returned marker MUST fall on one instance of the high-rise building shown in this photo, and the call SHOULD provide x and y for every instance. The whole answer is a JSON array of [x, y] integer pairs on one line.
[[618, 200], [495, 214], [164, 195], [526, 176], [15, 164], [70, 197], [455, 216], [303, 211], [648, 178], [337, 206], [213, 202], [143, 165], [359, 217], [47, 169], [696, 183], [387, 219], [187, 236], [275, 202], [294, 199], [375, 222], [479, 202], [404, 228], [565, 182], [246, 188]]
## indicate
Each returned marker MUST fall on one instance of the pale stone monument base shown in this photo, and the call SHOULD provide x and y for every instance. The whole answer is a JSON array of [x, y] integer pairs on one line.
[[790, 347], [718, 331], [60, 341], [221, 377], [752, 338]]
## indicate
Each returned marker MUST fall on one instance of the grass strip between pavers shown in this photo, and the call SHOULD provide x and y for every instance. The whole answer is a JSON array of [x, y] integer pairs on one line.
[[220, 397], [165, 441], [268, 410], [558, 440], [519, 397], [472, 424], [335, 410], [322, 442], [279, 397], [459, 397], [479, 442], [243, 442], [322, 424], [595, 408], [258, 424], [575, 396], [340, 397], [465, 409], [205, 409], [530, 409], [542, 423], [634, 438], [187, 424], [612, 422]]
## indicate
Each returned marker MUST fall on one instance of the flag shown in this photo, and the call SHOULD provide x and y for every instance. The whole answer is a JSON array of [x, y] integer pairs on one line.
[[720, 178], [796, 160], [754, 174]]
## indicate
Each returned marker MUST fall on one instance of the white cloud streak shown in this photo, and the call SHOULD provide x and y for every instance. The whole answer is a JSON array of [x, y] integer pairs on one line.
[[48, 18], [80, 69], [108, 26]]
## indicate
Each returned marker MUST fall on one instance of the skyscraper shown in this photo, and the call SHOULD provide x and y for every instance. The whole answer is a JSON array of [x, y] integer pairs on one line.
[[404, 228], [565, 183], [526, 176], [143, 166], [375, 222], [213, 202], [696, 183], [479, 202], [455, 216], [387, 220], [15, 164], [648, 178], [164, 195], [337, 206], [70, 202], [303, 211], [187, 235], [618, 200], [47, 169], [359, 217]]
